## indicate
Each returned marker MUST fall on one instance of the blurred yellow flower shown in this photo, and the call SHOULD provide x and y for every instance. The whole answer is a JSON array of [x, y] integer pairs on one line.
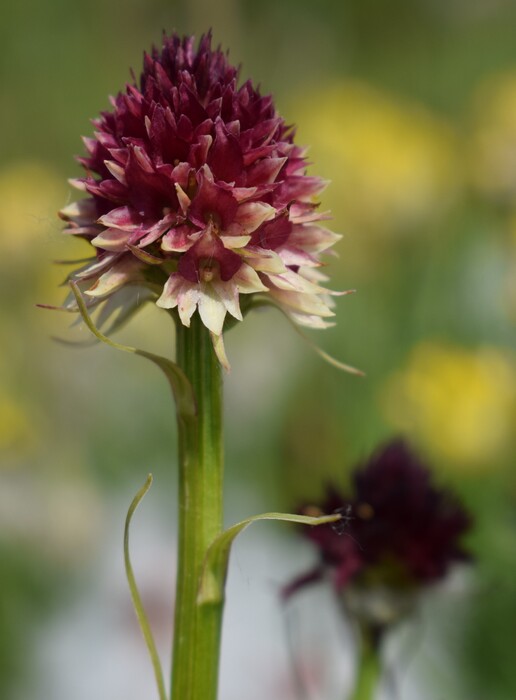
[[460, 404], [31, 193], [494, 138], [393, 165]]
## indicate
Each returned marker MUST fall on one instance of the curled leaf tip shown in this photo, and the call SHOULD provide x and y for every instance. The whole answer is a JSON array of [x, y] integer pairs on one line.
[[216, 561], [135, 594]]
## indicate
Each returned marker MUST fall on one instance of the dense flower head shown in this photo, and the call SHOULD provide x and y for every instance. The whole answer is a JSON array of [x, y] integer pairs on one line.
[[398, 530], [197, 190]]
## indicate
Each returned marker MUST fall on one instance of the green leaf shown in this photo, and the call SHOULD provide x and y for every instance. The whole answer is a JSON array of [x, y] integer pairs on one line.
[[179, 383], [215, 567], [135, 595]]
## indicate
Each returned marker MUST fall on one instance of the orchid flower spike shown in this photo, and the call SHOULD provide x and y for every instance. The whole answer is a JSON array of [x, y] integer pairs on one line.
[[197, 191]]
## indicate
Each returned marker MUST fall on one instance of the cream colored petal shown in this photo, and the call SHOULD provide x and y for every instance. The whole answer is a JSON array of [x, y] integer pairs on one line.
[[116, 170], [187, 303], [228, 293], [313, 239], [96, 267], [310, 321], [235, 241], [250, 215], [293, 282], [220, 350], [121, 273], [248, 281], [112, 239], [83, 211], [211, 310], [171, 289], [263, 260], [310, 304], [184, 199]]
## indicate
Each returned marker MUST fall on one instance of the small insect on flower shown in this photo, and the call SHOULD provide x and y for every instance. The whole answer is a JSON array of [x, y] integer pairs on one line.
[[197, 191], [342, 525]]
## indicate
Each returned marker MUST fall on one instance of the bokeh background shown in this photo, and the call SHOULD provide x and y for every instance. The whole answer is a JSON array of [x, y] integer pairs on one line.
[[410, 110]]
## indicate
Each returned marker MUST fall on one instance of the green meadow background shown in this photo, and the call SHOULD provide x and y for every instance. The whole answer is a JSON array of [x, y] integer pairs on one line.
[[409, 107]]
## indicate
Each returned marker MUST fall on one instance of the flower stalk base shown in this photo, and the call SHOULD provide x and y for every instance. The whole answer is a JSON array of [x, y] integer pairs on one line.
[[197, 627]]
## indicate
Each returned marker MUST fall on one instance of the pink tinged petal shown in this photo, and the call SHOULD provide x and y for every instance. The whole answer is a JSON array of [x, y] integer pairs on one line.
[[113, 239], [171, 289], [310, 321], [234, 230], [121, 273], [113, 190], [301, 187], [255, 154], [212, 309], [248, 281], [262, 133], [313, 239], [241, 194], [228, 293], [184, 199], [199, 150], [121, 155], [124, 218], [77, 183], [295, 257], [233, 127], [116, 170], [250, 215], [156, 231], [177, 239], [310, 304], [181, 173], [265, 171], [96, 268], [314, 275], [220, 350], [235, 241], [106, 140], [262, 260], [292, 281], [187, 303], [109, 189], [143, 159], [75, 230], [303, 212], [206, 174], [83, 211], [90, 144]]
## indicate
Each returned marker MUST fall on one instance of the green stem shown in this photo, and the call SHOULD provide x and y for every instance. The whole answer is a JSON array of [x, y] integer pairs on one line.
[[368, 669], [197, 628]]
